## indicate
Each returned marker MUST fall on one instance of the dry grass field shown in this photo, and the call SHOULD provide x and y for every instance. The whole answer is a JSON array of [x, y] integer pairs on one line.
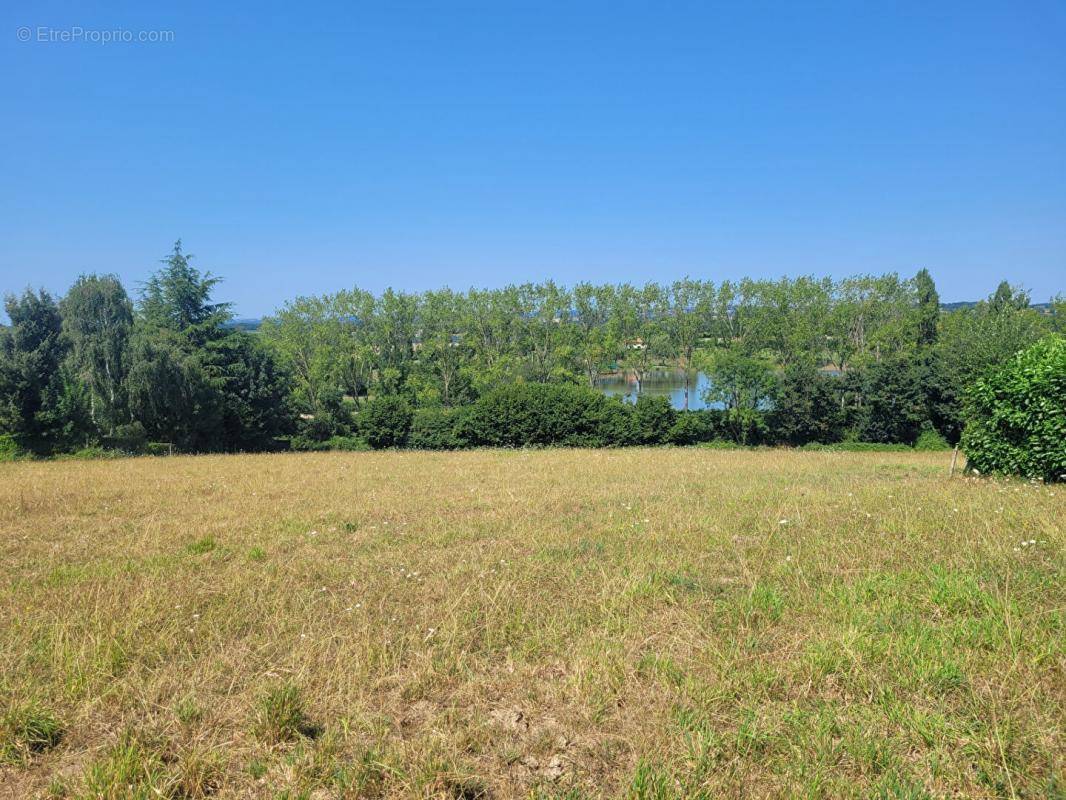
[[568, 624]]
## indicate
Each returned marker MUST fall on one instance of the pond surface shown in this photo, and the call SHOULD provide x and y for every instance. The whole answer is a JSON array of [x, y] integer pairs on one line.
[[662, 383]]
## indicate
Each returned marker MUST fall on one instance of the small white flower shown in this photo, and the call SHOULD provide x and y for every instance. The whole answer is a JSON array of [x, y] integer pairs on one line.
[[782, 522], [788, 558]]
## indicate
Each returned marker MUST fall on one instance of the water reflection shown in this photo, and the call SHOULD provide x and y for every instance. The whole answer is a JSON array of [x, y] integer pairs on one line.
[[662, 383]]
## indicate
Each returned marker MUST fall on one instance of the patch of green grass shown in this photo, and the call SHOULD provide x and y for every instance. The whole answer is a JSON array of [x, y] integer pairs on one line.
[[662, 667], [26, 731], [131, 770], [203, 545], [281, 715], [764, 604], [256, 768], [188, 712]]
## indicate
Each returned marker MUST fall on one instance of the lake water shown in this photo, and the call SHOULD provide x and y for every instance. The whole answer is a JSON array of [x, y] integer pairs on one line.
[[664, 383]]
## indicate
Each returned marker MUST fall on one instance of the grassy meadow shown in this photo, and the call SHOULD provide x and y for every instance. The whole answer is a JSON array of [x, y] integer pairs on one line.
[[634, 623]]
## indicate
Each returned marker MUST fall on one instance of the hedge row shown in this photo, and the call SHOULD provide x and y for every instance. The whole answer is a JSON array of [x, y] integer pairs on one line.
[[525, 415]]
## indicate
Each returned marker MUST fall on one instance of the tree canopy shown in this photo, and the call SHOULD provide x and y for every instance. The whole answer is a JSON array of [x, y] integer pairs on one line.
[[793, 361]]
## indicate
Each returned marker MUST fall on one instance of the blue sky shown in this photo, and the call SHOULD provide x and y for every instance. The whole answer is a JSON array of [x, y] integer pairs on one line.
[[304, 148]]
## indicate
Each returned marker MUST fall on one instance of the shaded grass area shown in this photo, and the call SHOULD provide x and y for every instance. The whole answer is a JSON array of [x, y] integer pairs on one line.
[[552, 624]]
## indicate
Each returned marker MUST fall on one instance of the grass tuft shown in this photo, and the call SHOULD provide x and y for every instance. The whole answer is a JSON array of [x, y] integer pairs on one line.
[[203, 545], [281, 716], [26, 731]]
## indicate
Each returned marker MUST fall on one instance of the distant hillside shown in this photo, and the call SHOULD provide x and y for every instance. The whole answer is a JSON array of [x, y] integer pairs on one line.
[[1045, 307], [246, 323]]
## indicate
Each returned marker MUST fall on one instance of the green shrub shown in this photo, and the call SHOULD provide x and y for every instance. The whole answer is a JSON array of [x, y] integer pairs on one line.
[[694, 427], [1016, 415], [130, 438], [352, 444], [305, 444], [385, 421], [435, 429], [806, 408], [94, 452], [930, 439], [535, 414], [894, 407], [9, 449], [723, 444], [653, 418]]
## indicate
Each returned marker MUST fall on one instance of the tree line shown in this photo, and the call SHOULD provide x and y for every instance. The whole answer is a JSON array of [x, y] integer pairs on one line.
[[790, 361]]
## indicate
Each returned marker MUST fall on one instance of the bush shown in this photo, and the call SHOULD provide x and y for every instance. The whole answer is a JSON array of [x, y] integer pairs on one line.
[[930, 439], [695, 427], [332, 417], [894, 407], [93, 452], [385, 421], [435, 429], [9, 449], [128, 438], [724, 444], [806, 408], [544, 414], [653, 418], [350, 444], [346, 443], [1016, 415]]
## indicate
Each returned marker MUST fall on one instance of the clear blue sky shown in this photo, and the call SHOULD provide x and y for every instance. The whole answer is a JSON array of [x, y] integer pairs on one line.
[[301, 148]]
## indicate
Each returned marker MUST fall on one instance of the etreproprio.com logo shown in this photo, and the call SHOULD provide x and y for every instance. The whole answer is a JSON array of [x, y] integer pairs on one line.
[[78, 34]]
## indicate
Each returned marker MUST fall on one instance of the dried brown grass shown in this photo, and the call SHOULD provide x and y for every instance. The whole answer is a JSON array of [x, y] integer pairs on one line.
[[644, 623]]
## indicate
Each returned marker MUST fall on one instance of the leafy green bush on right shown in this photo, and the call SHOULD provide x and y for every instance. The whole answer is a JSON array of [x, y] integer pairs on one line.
[[1016, 415]]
